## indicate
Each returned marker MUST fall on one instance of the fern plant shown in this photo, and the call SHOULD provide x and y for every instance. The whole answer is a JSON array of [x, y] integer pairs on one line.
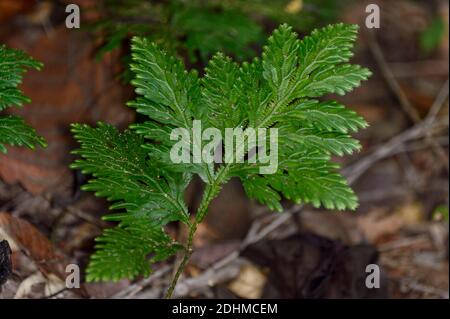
[[13, 129], [133, 169]]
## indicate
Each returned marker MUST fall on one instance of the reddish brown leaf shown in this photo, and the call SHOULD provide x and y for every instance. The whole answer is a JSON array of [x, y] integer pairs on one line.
[[24, 236]]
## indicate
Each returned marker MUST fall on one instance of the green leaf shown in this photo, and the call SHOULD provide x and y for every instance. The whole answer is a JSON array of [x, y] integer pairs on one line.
[[280, 60], [432, 36], [292, 72], [340, 80], [123, 174], [259, 188], [147, 196], [327, 116], [323, 55], [330, 142], [315, 181], [219, 92], [169, 95], [327, 46], [13, 63], [129, 250], [13, 130], [163, 81]]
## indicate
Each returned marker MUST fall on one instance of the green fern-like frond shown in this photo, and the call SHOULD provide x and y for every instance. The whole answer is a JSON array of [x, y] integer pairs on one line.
[[123, 173], [170, 96], [129, 250], [220, 94], [13, 130], [279, 90], [309, 131]]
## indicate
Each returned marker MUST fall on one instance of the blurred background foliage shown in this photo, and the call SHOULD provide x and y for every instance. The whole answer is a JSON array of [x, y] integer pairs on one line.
[[196, 29]]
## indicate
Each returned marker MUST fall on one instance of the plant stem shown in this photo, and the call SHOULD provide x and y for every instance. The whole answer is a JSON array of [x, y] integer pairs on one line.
[[187, 255], [211, 191]]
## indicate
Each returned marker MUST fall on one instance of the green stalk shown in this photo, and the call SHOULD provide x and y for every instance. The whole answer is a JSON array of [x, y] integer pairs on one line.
[[211, 191]]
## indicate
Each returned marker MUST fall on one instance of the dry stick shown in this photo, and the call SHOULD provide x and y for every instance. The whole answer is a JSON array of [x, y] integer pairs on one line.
[[394, 85], [135, 288], [389, 77], [391, 147], [421, 145], [432, 114], [429, 68], [413, 284], [438, 102]]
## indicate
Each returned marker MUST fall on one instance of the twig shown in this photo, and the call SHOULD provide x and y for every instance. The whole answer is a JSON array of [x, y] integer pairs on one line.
[[135, 288], [390, 78], [86, 217], [403, 243], [431, 116], [401, 96], [419, 68], [208, 279], [53, 295], [391, 147], [201, 283], [438, 102], [419, 287]]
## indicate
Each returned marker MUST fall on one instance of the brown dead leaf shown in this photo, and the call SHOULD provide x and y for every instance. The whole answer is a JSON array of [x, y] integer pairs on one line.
[[377, 224], [411, 213], [81, 237], [23, 236], [250, 282], [27, 240]]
